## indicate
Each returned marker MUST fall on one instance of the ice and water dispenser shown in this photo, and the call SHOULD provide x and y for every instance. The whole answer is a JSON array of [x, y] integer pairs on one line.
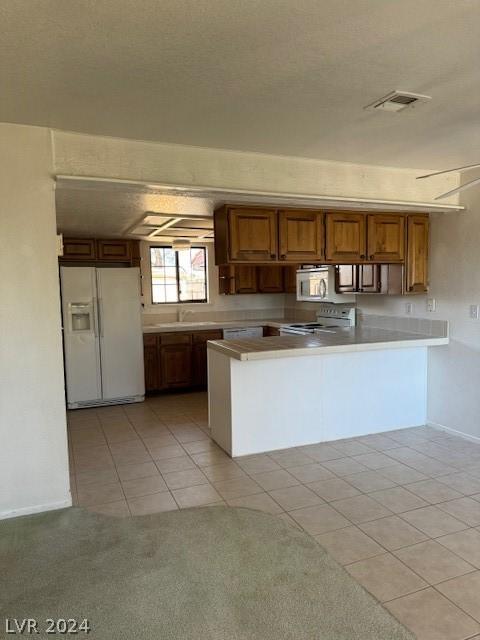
[[81, 316]]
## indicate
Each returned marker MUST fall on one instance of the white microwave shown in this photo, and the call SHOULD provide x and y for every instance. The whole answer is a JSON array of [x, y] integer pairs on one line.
[[318, 285]]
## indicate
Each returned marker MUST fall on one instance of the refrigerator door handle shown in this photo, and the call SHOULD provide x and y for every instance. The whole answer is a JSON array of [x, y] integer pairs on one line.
[[95, 317], [100, 314]]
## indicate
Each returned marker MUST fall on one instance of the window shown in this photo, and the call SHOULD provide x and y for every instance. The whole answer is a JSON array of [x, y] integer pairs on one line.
[[178, 275]]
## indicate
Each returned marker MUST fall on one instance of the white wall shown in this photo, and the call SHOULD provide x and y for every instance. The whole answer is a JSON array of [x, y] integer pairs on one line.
[[453, 370], [33, 443]]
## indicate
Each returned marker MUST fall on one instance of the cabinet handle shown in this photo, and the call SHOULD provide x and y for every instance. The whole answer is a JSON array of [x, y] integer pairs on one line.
[[362, 256], [273, 256], [283, 256], [371, 257]]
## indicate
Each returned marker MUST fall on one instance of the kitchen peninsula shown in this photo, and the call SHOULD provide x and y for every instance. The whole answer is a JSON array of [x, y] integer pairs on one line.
[[288, 391]]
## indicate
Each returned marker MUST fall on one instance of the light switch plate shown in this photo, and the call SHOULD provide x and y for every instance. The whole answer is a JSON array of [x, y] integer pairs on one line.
[[409, 307], [431, 304], [474, 311]]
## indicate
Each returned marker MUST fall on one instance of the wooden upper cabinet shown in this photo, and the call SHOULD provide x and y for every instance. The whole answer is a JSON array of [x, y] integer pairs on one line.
[[301, 236], [270, 280], [417, 254], [290, 278], [369, 278], [345, 237], [253, 235], [346, 278], [79, 249], [386, 237], [245, 279], [113, 250]]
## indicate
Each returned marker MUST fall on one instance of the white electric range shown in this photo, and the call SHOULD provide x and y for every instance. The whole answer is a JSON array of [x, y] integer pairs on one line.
[[329, 318]]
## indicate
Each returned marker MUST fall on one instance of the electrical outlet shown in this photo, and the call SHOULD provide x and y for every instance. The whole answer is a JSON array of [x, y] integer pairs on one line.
[[474, 311], [431, 304], [409, 307]]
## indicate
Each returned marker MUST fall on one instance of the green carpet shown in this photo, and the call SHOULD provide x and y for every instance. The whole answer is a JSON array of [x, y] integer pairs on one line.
[[214, 573]]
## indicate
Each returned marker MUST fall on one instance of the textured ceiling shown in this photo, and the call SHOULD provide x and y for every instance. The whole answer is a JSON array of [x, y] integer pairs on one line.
[[277, 76]]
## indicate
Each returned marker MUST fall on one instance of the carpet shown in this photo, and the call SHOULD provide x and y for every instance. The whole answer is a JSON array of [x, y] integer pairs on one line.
[[213, 573]]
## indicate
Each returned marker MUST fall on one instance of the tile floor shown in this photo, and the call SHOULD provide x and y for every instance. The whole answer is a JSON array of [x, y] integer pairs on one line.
[[401, 510]]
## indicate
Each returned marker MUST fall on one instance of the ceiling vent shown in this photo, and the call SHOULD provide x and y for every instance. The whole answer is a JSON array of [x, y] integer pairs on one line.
[[397, 101]]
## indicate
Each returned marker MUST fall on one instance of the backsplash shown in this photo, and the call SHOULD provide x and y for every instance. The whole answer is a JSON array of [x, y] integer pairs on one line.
[[433, 328], [189, 315]]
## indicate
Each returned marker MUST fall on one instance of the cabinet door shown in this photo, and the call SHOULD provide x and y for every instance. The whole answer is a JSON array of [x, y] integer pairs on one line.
[[78, 249], [226, 279], [253, 235], [345, 237], [176, 365], [290, 278], [113, 250], [245, 279], [368, 278], [151, 363], [300, 235], [346, 278], [417, 254], [199, 355], [386, 237], [271, 331], [270, 280]]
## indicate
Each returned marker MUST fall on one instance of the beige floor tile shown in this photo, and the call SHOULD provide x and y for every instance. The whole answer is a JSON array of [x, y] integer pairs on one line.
[[465, 544], [165, 453], [321, 452], [257, 464], [224, 471], [134, 471], [333, 489], [90, 458], [433, 562], [200, 446], [375, 460], [351, 447], [349, 545], [386, 577], [153, 503], [186, 478], [286, 517], [368, 481], [311, 472], [99, 493], [462, 482], [393, 532], [278, 479], [402, 474], [97, 476], [90, 437], [209, 458], [288, 458], [123, 433], [433, 521], [237, 487], [398, 499], [197, 496], [143, 486], [344, 466], [259, 501], [151, 430], [361, 509], [195, 434], [430, 616], [464, 592], [175, 464], [465, 509], [118, 509], [295, 497], [379, 442], [157, 442], [433, 491], [319, 519]]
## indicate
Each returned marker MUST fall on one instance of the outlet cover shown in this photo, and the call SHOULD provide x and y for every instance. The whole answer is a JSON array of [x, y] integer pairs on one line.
[[409, 307], [431, 304], [474, 311]]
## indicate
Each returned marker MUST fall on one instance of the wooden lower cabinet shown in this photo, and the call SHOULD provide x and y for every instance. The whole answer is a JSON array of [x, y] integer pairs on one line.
[[176, 360]]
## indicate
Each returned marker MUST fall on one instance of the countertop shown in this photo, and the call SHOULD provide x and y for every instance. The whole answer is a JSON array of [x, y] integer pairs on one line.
[[334, 341], [168, 327]]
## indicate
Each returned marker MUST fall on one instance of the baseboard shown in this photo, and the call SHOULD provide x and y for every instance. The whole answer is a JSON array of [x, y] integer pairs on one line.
[[455, 432], [39, 508]]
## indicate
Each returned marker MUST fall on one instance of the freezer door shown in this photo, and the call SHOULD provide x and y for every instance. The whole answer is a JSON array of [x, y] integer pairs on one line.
[[121, 340], [80, 331]]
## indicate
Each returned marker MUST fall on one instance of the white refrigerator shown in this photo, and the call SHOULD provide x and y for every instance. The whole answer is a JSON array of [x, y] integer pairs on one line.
[[103, 340]]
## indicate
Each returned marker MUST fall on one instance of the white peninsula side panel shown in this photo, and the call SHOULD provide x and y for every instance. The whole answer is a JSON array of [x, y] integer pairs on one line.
[[275, 403]]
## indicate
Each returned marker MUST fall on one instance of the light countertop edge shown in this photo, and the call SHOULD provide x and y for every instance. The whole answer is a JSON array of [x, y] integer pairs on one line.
[[186, 327], [295, 352]]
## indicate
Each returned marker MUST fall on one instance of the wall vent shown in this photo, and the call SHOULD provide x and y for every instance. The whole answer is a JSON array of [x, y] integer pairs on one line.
[[397, 101]]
